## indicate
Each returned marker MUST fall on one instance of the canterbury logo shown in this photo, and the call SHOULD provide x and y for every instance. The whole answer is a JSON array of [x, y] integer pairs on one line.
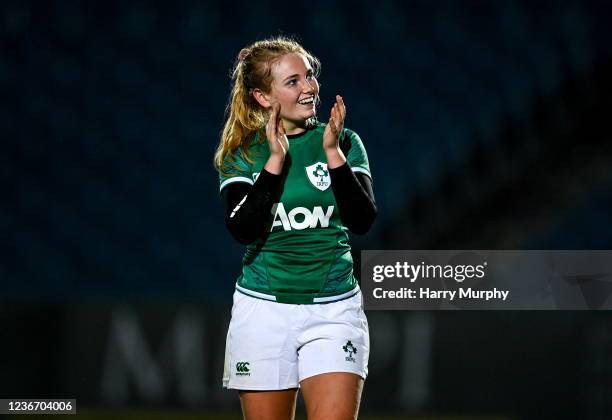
[[242, 368]]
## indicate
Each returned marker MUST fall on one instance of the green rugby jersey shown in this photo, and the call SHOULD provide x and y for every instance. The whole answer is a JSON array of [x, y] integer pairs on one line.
[[306, 257]]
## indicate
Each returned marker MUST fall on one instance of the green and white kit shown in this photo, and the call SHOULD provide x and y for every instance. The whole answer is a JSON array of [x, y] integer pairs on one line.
[[306, 257]]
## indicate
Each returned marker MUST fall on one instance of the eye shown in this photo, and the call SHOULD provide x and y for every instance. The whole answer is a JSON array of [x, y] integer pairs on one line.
[[292, 82]]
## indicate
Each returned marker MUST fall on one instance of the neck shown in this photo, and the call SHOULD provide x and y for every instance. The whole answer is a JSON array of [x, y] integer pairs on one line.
[[294, 127]]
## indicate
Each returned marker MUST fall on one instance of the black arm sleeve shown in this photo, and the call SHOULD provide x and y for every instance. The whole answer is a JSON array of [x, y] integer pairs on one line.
[[248, 208], [355, 198]]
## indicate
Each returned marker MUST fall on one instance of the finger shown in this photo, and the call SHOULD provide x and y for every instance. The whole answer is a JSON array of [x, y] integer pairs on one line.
[[281, 128], [337, 118], [278, 114], [272, 114], [272, 123], [341, 106], [332, 126]]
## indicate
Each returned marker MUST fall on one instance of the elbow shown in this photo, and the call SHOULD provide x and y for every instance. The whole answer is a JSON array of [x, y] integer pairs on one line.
[[243, 236], [243, 239], [363, 226]]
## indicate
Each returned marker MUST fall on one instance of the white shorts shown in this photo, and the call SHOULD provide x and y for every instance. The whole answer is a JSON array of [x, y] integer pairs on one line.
[[273, 346]]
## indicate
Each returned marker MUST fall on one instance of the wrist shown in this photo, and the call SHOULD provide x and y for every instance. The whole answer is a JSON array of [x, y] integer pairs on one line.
[[335, 157], [275, 163]]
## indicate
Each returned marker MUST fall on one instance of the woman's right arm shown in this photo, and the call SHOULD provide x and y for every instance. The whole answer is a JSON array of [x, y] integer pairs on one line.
[[248, 208]]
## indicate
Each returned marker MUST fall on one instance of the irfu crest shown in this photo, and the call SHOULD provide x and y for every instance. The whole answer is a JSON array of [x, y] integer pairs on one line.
[[319, 175]]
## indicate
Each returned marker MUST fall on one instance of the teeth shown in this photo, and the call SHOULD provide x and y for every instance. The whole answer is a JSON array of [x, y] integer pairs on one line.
[[306, 101]]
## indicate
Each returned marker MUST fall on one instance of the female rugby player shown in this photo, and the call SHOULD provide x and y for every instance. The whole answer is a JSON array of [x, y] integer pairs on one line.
[[291, 188]]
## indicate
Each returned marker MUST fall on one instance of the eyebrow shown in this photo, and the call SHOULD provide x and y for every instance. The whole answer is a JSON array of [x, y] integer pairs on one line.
[[294, 75]]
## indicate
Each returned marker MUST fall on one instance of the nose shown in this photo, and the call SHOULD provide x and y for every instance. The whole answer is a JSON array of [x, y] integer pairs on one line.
[[308, 88]]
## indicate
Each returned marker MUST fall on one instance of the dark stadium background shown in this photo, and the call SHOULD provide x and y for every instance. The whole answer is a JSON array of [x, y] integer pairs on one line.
[[487, 126]]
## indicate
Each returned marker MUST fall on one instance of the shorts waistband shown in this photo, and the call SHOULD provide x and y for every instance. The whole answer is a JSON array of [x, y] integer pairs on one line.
[[322, 299]]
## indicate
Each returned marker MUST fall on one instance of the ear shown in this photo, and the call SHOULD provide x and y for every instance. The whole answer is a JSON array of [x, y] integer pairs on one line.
[[261, 98]]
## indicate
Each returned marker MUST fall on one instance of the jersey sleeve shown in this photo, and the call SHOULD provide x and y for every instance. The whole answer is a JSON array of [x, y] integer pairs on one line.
[[355, 152], [235, 169]]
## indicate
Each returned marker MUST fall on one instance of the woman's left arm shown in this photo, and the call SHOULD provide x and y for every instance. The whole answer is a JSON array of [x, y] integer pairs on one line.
[[355, 198], [353, 192]]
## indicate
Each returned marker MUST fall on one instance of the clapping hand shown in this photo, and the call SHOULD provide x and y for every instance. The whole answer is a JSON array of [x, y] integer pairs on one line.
[[275, 132], [331, 136]]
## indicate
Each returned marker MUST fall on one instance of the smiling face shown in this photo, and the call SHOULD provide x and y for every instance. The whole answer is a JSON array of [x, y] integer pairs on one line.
[[295, 87]]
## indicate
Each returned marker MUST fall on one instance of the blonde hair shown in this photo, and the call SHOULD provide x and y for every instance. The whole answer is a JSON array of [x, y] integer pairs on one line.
[[253, 70]]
